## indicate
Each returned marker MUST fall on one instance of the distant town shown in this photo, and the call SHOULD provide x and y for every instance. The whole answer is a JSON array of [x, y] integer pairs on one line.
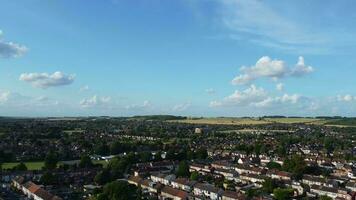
[[179, 158]]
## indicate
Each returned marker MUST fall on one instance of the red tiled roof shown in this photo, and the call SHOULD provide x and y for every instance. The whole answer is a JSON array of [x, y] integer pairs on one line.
[[232, 194], [174, 192]]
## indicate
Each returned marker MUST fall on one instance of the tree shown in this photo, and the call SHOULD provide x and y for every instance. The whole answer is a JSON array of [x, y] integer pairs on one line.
[[295, 165], [194, 176], [48, 179], [51, 161], [20, 167], [283, 194], [118, 190], [324, 197], [269, 185], [274, 165], [183, 169], [102, 149], [85, 162], [145, 156], [201, 153], [103, 177]]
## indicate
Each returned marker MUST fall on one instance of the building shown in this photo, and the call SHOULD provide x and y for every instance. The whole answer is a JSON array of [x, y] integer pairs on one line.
[[207, 190], [169, 193]]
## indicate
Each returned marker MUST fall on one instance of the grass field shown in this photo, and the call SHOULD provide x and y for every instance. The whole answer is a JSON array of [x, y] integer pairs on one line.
[[223, 120], [39, 165], [293, 120], [348, 122], [29, 165]]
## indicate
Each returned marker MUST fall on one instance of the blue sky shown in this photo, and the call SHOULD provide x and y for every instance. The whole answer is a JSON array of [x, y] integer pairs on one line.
[[184, 57]]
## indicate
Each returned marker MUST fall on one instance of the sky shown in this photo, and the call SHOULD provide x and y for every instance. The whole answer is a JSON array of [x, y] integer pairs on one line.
[[184, 57]]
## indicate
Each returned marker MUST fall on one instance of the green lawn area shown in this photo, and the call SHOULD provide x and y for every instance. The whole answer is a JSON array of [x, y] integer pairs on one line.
[[39, 165], [29, 165]]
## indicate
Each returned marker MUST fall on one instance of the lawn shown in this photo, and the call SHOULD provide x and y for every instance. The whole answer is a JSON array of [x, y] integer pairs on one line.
[[39, 165], [29, 165]]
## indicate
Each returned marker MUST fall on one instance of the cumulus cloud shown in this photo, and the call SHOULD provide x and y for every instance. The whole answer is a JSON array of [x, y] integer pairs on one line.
[[301, 69], [94, 101], [279, 86], [256, 97], [240, 98], [11, 49], [181, 107], [45, 80], [266, 67], [346, 98]]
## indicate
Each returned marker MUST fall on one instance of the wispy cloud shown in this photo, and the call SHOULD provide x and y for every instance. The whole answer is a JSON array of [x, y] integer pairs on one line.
[[261, 24]]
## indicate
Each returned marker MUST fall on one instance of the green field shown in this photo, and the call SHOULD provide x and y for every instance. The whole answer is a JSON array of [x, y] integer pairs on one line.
[[223, 121], [39, 165], [29, 165], [346, 122]]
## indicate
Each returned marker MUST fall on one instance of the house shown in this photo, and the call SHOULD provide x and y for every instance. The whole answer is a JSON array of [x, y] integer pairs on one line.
[[230, 195], [330, 192], [163, 178], [223, 164], [169, 193], [135, 180], [351, 186], [229, 174], [207, 190], [313, 180], [201, 169], [254, 178], [183, 184], [150, 187], [245, 169], [35, 192], [295, 185], [280, 175]]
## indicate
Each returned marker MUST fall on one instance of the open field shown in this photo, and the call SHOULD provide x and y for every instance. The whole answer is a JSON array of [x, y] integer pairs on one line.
[[257, 121], [38, 165], [293, 120], [223, 121], [29, 165]]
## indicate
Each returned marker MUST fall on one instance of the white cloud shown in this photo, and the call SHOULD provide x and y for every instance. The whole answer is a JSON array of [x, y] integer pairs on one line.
[[346, 98], [280, 87], [265, 67], [301, 69], [4, 96], [210, 91], [245, 97], [94, 101], [11, 49], [146, 104], [273, 101], [181, 107], [45, 80]]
